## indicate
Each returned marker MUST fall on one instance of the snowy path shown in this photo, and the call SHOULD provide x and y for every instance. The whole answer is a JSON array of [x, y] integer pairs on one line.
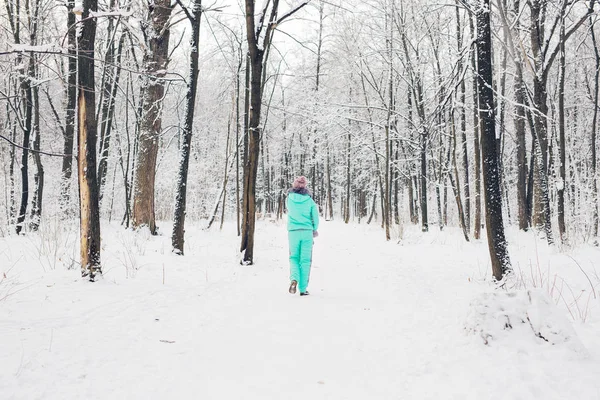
[[383, 321]]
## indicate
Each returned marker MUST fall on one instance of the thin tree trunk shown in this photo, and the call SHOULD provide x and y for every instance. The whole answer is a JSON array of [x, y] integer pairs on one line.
[[177, 238], [36, 206], [248, 73], [476, 141], [594, 133], [28, 98], [329, 194], [463, 125], [562, 142], [108, 115], [373, 207], [456, 186], [522, 167], [69, 131], [348, 179], [423, 176], [38, 194], [237, 141]]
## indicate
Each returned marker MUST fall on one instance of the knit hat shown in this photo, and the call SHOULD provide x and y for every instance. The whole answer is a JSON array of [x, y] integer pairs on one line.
[[299, 183]]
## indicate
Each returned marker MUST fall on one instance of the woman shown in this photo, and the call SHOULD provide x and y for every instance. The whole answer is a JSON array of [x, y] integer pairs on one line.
[[303, 222]]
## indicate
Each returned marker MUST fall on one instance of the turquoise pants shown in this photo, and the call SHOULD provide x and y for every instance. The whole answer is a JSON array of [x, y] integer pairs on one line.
[[301, 244]]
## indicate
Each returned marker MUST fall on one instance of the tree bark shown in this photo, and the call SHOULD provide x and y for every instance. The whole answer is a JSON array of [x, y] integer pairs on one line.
[[463, 125], [562, 142], [156, 58], [256, 53], [71, 92], [38, 179], [348, 179], [476, 139], [86, 143], [493, 200], [28, 99], [253, 149], [594, 133], [456, 185], [178, 238]]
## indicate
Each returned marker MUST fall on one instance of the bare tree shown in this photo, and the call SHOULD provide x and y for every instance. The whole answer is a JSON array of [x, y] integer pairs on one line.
[[255, 33], [194, 16], [491, 174]]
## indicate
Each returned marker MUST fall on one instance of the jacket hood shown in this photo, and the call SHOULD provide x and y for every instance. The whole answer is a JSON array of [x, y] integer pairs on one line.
[[298, 197], [301, 190]]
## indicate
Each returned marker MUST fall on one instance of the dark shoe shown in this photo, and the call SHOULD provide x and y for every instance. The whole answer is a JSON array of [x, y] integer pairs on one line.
[[293, 287], [304, 293]]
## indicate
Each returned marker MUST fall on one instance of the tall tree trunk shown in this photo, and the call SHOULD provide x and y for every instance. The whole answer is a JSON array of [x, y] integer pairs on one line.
[[71, 92], [247, 74], [156, 59], [177, 238], [476, 141], [593, 134], [28, 100], [413, 191], [348, 179], [493, 200], [38, 179], [12, 213], [252, 153], [226, 175], [256, 52], [329, 191], [389, 124], [36, 206], [463, 125], [519, 121], [456, 185], [86, 142], [237, 140], [562, 142], [108, 110]]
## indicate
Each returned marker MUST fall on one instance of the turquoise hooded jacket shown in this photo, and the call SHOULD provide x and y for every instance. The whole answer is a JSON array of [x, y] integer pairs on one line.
[[302, 213]]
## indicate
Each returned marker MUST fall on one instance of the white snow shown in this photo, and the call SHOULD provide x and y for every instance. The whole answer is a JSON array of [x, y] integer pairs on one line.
[[384, 320]]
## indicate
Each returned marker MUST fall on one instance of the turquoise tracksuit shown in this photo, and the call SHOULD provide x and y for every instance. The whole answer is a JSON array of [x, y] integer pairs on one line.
[[303, 219]]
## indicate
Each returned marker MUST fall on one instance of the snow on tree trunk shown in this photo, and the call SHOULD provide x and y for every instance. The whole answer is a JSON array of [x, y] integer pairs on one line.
[[493, 200], [156, 58], [177, 238]]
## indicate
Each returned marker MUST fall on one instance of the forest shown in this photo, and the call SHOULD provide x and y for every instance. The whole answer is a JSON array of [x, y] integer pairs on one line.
[[155, 148], [144, 112]]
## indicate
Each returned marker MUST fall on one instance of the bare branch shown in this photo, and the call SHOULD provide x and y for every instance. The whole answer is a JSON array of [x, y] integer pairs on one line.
[[35, 151]]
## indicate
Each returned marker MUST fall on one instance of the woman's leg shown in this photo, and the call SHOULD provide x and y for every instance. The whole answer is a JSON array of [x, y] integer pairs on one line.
[[306, 247], [294, 241]]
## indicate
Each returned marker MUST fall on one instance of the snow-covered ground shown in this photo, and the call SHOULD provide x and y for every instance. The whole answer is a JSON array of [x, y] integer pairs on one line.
[[385, 320]]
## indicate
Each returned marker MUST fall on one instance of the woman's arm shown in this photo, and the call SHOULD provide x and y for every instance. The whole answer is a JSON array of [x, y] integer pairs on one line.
[[314, 213]]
